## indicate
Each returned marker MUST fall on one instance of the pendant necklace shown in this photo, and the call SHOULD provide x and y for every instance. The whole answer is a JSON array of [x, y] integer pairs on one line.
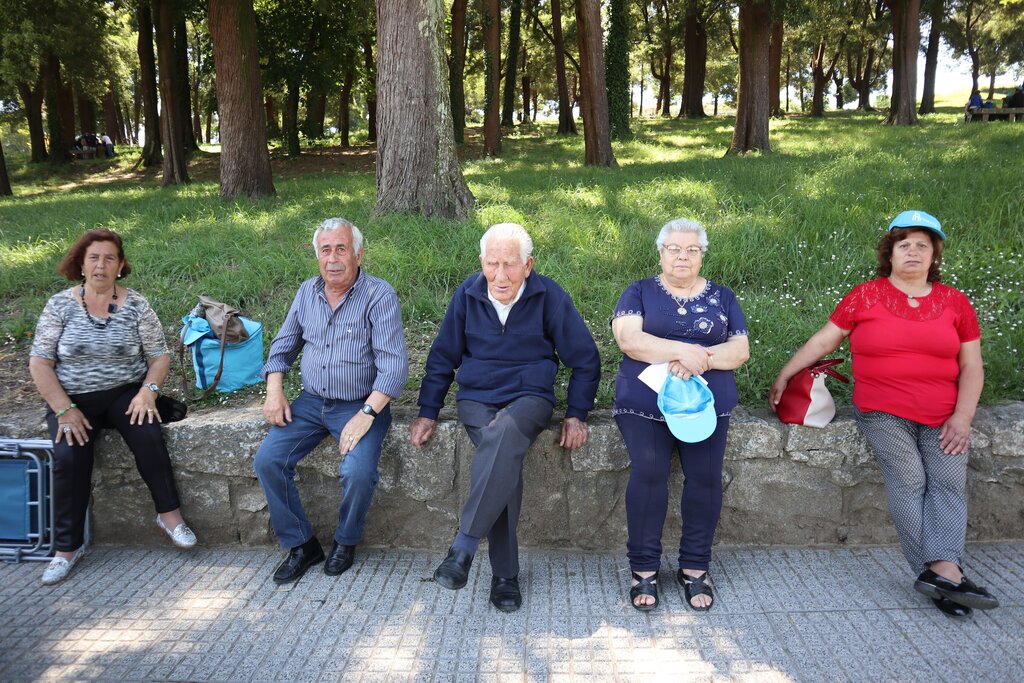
[[679, 299], [111, 308]]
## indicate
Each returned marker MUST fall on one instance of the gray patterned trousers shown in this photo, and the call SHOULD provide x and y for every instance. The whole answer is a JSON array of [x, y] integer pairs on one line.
[[927, 489]]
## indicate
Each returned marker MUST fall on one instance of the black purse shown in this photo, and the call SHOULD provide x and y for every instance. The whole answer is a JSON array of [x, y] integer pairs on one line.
[[170, 409]]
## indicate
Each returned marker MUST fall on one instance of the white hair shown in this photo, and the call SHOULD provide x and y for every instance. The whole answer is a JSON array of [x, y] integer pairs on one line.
[[682, 225], [508, 231], [337, 224]]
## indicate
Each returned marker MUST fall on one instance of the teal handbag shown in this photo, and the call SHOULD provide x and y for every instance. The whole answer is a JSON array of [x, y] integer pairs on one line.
[[219, 364]]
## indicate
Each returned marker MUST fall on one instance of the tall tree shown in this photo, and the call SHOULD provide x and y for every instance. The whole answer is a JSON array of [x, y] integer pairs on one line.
[[457, 69], [32, 102], [755, 27], [906, 41], [696, 20], [60, 111], [184, 90], [936, 14], [5, 180], [417, 168], [172, 136], [617, 68], [775, 68], [566, 122], [345, 106], [508, 97], [492, 76], [244, 158], [152, 154], [596, 126]]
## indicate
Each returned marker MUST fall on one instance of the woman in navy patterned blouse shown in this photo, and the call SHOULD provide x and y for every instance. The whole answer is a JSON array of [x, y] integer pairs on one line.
[[696, 326], [98, 359]]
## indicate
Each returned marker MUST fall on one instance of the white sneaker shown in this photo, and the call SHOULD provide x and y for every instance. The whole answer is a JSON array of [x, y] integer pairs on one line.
[[59, 568], [181, 536]]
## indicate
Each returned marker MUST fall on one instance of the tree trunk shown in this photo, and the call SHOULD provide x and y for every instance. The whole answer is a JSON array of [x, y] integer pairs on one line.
[[344, 106], [991, 84], [837, 79], [86, 113], [184, 89], [508, 101], [244, 159], [775, 69], [290, 118], [58, 99], [5, 181], [151, 151], [209, 124], [173, 126], [906, 39], [316, 112], [273, 127], [822, 74], [371, 90], [695, 61], [617, 69], [417, 168], [197, 121], [527, 90], [860, 68], [492, 76], [32, 101], [596, 126], [751, 131], [566, 122], [135, 114], [457, 70], [931, 59], [110, 126]]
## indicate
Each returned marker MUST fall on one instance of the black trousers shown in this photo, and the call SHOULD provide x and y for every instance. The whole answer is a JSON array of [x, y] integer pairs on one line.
[[72, 464]]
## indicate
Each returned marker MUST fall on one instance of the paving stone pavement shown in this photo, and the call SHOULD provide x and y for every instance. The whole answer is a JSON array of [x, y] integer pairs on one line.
[[782, 614]]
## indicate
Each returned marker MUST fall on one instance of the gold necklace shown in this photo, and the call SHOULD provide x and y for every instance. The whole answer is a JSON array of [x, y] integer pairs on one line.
[[679, 299]]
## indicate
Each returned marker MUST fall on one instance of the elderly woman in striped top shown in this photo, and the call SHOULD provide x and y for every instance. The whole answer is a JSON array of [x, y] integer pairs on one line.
[[98, 360]]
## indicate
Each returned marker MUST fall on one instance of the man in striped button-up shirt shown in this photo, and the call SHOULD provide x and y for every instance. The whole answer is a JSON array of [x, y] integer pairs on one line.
[[349, 325]]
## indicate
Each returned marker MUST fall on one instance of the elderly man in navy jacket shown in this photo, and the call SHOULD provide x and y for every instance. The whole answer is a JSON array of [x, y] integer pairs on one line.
[[502, 338]]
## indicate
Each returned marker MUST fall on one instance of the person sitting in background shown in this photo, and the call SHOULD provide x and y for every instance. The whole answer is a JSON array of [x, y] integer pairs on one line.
[[98, 359], [108, 145], [918, 375], [975, 102], [1016, 98]]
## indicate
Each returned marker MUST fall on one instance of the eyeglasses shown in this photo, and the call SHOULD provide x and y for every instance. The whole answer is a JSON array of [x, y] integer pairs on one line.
[[675, 251]]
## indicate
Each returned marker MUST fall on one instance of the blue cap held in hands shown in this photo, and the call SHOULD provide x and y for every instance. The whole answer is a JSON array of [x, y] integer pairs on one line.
[[689, 408]]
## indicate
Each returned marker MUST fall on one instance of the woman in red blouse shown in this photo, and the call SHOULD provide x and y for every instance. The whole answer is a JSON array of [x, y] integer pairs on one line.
[[917, 375]]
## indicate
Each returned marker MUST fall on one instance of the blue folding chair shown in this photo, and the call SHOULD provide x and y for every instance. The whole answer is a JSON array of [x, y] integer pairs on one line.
[[26, 504]]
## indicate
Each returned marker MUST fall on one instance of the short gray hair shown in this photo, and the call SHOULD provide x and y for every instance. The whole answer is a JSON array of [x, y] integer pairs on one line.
[[682, 225], [508, 231], [337, 224]]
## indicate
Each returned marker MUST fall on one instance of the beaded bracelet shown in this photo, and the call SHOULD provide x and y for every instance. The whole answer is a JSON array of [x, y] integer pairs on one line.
[[60, 413]]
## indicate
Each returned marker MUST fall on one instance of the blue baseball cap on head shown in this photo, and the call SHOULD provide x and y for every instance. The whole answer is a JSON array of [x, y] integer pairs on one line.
[[918, 219], [689, 408]]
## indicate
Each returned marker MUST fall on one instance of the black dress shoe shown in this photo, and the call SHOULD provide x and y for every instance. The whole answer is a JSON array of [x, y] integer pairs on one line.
[[965, 593], [340, 559], [952, 609], [298, 561], [453, 572], [505, 594]]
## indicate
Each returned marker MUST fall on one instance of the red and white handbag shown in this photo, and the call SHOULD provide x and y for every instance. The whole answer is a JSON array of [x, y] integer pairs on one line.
[[806, 400]]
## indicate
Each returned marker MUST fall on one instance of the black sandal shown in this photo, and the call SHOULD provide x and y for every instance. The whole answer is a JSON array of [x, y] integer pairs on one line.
[[694, 586], [645, 585]]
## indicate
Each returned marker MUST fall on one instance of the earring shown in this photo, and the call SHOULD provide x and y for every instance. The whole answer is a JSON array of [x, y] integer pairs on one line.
[[118, 275]]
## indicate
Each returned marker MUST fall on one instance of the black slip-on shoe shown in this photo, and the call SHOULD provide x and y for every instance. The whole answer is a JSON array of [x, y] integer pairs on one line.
[[453, 572], [340, 559], [298, 561], [505, 594], [952, 609]]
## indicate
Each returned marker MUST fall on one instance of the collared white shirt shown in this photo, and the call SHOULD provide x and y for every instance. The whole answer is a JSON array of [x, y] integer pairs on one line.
[[503, 309]]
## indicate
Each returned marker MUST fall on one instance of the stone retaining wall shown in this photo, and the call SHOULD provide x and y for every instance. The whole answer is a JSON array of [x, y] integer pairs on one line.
[[783, 485]]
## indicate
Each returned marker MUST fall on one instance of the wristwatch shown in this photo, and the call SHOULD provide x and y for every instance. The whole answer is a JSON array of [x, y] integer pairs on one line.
[[153, 386], [367, 409]]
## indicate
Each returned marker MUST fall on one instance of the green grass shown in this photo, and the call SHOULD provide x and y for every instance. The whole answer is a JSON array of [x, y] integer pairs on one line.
[[790, 232]]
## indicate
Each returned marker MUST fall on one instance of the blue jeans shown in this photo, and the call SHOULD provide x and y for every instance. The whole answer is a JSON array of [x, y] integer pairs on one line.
[[313, 418]]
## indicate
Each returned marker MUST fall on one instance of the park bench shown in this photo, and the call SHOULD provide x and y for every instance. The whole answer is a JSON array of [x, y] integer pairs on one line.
[[1010, 113], [84, 152]]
